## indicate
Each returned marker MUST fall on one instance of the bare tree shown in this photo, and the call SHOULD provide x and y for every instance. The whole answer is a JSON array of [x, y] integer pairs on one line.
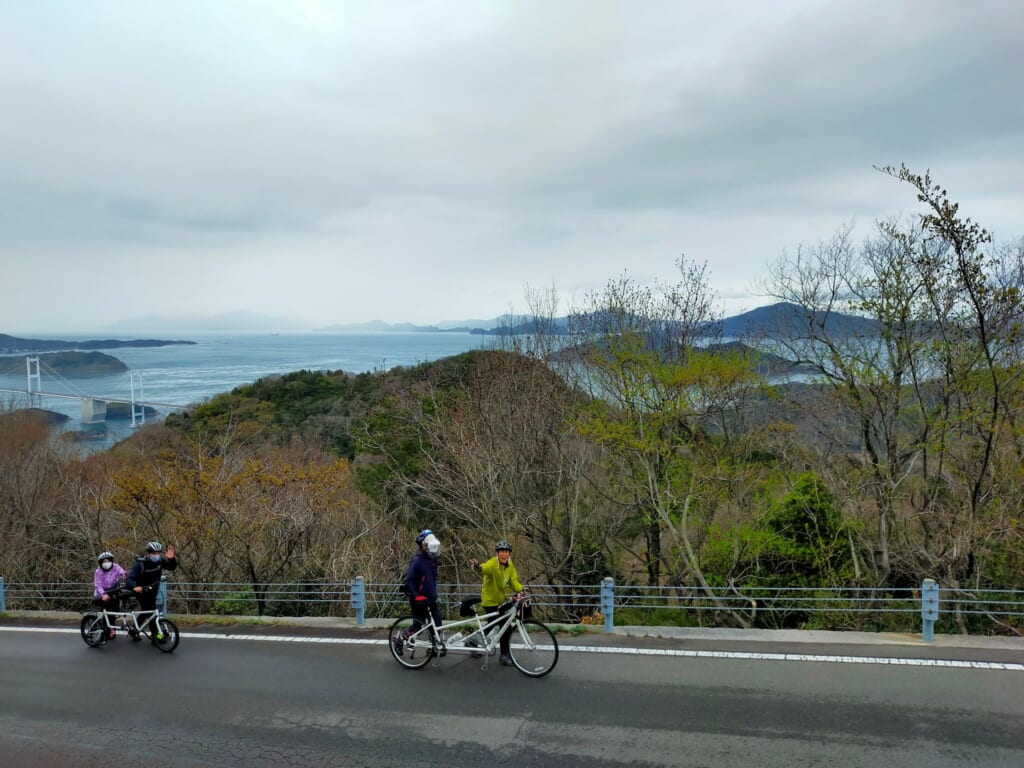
[[917, 384], [494, 455]]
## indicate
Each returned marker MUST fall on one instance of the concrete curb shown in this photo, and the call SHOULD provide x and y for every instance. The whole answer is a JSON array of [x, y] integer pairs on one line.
[[823, 637], [697, 634]]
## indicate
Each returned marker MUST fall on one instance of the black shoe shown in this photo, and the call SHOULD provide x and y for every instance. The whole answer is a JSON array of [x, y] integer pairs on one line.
[[134, 634], [505, 660]]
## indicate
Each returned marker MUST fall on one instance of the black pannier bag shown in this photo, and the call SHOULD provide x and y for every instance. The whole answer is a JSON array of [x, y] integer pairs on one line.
[[526, 609], [466, 605]]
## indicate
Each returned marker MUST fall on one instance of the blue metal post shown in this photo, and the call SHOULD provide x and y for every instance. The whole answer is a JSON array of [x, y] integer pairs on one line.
[[929, 609], [608, 602], [3, 598], [359, 599], [161, 596]]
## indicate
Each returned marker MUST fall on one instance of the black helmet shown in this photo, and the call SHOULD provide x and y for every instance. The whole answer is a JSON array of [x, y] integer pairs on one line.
[[104, 556], [503, 545], [154, 546]]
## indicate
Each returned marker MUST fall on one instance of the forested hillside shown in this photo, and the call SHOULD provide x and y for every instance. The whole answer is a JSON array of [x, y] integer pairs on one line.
[[633, 450]]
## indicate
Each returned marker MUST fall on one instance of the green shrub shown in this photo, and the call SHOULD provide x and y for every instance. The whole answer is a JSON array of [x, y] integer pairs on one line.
[[235, 604]]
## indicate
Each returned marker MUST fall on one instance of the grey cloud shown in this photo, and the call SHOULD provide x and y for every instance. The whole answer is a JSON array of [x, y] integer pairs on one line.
[[544, 140], [809, 111]]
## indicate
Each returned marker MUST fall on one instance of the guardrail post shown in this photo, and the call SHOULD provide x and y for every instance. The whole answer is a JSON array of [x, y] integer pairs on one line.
[[608, 602], [359, 599], [161, 597], [3, 598], [929, 609]]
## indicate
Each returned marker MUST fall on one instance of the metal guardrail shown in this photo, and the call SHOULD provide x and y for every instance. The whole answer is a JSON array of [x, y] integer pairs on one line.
[[824, 608]]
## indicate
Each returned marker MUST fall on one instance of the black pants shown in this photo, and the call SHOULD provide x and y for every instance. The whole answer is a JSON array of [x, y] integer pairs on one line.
[[147, 598], [506, 637], [420, 610], [113, 604]]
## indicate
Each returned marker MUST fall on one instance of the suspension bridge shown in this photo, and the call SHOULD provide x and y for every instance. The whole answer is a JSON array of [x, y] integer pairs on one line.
[[93, 408]]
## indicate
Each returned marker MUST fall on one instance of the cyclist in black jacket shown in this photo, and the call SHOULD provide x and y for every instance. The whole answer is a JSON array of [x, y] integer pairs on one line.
[[144, 577], [421, 579]]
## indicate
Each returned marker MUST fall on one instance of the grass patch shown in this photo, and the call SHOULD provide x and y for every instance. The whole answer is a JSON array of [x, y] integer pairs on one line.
[[653, 617]]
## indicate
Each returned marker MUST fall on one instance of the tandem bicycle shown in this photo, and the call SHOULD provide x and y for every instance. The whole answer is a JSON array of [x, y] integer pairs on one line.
[[100, 625], [533, 647]]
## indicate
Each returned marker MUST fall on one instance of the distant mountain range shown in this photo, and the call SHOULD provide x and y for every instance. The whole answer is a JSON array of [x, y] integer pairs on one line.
[[378, 326], [780, 320], [226, 322], [254, 322]]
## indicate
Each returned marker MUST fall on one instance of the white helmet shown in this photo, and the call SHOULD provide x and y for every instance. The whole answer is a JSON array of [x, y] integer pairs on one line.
[[433, 546]]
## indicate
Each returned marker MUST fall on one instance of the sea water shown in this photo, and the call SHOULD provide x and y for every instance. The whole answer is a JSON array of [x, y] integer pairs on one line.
[[186, 374]]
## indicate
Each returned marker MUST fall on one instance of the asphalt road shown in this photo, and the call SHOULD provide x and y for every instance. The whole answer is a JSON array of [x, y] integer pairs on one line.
[[243, 702]]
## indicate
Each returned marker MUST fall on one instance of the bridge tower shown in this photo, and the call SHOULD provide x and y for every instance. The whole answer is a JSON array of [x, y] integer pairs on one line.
[[33, 375], [140, 413], [93, 418]]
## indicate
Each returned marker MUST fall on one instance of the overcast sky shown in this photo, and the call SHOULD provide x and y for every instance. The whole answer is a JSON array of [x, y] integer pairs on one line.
[[428, 161]]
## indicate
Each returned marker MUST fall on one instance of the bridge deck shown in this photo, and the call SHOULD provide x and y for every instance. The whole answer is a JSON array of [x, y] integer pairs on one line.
[[26, 393]]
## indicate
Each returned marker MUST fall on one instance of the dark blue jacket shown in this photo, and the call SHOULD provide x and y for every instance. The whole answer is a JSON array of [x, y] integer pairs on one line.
[[421, 578], [146, 573]]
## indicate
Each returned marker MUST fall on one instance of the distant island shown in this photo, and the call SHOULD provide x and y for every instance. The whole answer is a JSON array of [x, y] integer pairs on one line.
[[780, 320], [227, 322], [14, 345], [379, 326], [74, 364]]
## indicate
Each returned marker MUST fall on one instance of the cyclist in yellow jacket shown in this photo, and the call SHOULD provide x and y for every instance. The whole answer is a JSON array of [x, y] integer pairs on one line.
[[500, 583]]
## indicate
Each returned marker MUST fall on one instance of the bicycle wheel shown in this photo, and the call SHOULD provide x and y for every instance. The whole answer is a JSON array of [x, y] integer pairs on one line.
[[414, 652], [533, 649], [94, 629], [167, 639]]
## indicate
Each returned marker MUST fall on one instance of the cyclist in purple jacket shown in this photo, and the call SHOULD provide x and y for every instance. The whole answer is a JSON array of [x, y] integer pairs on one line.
[[105, 582]]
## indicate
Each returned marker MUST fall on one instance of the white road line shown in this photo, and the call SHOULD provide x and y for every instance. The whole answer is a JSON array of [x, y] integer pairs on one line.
[[735, 655]]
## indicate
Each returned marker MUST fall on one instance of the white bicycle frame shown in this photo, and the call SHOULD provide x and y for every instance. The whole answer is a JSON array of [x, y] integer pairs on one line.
[[153, 615], [487, 630]]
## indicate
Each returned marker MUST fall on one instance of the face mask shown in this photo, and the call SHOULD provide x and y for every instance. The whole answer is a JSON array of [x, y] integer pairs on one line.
[[106, 565], [155, 558]]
